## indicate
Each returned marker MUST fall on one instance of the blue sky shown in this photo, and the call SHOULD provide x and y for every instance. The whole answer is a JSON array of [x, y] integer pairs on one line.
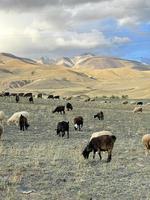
[[55, 28]]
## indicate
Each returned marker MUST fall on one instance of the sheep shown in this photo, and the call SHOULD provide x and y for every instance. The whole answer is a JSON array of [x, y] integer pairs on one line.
[[2, 117], [14, 119], [125, 102], [1, 130], [23, 123], [31, 99], [139, 103], [17, 98], [69, 106], [137, 109], [98, 144], [78, 123], [99, 115], [62, 127], [59, 109], [146, 143], [97, 134]]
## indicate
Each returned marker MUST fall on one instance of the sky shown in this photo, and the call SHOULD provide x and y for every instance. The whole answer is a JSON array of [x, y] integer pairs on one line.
[[56, 28]]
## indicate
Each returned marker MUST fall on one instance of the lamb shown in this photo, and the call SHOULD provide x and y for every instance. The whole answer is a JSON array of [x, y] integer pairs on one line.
[[78, 123], [23, 123], [137, 109], [1, 130], [2, 117], [146, 143], [99, 115], [98, 144], [14, 119]]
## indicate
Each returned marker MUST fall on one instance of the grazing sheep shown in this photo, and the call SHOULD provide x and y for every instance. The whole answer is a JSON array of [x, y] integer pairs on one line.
[[137, 109], [23, 123], [140, 103], [39, 95], [98, 144], [63, 127], [50, 96], [97, 134], [146, 143], [56, 97], [2, 117], [31, 99], [99, 115], [14, 119], [59, 109], [86, 100], [133, 102], [125, 102], [29, 94], [69, 106], [17, 98], [1, 130], [78, 123]]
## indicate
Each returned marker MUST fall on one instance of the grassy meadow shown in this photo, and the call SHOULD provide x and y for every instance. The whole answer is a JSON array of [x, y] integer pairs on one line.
[[52, 168]]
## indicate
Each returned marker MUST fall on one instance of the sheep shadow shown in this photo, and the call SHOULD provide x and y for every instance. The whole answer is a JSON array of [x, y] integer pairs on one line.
[[96, 162]]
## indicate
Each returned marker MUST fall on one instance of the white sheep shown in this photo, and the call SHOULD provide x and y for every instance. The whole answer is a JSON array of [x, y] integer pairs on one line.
[[97, 134], [146, 143], [14, 119], [137, 109], [2, 117], [1, 130]]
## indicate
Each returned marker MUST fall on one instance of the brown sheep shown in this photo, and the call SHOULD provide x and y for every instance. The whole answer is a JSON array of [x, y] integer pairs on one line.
[[146, 143], [137, 109], [98, 144], [78, 123]]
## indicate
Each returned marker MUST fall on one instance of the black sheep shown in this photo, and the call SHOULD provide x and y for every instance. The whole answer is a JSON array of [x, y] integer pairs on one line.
[[69, 106], [99, 115], [63, 127], [59, 109], [23, 123], [17, 98]]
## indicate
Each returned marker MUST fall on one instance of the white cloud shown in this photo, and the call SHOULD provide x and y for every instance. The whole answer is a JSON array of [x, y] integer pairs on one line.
[[120, 40], [47, 25]]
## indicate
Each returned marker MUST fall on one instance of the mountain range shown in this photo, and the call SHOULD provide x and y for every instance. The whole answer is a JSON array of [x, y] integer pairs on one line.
[[85, 74]]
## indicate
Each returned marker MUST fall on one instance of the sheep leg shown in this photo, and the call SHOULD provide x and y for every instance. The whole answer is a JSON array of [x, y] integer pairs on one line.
[[67, 134], [109, 156], [63, 133], [99, 153], [94, 151], [79, 128]]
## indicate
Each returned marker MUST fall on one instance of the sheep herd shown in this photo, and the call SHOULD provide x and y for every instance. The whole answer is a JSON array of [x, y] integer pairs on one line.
[[99, 141]]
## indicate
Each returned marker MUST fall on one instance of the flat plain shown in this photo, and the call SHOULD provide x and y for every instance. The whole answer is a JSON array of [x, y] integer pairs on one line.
[[37, 164]]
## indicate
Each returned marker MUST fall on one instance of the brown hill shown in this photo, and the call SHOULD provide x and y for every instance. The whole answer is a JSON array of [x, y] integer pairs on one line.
[[95, 76]]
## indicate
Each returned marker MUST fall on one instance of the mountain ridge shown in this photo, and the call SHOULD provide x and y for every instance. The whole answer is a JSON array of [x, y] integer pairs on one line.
[[84, 78]]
